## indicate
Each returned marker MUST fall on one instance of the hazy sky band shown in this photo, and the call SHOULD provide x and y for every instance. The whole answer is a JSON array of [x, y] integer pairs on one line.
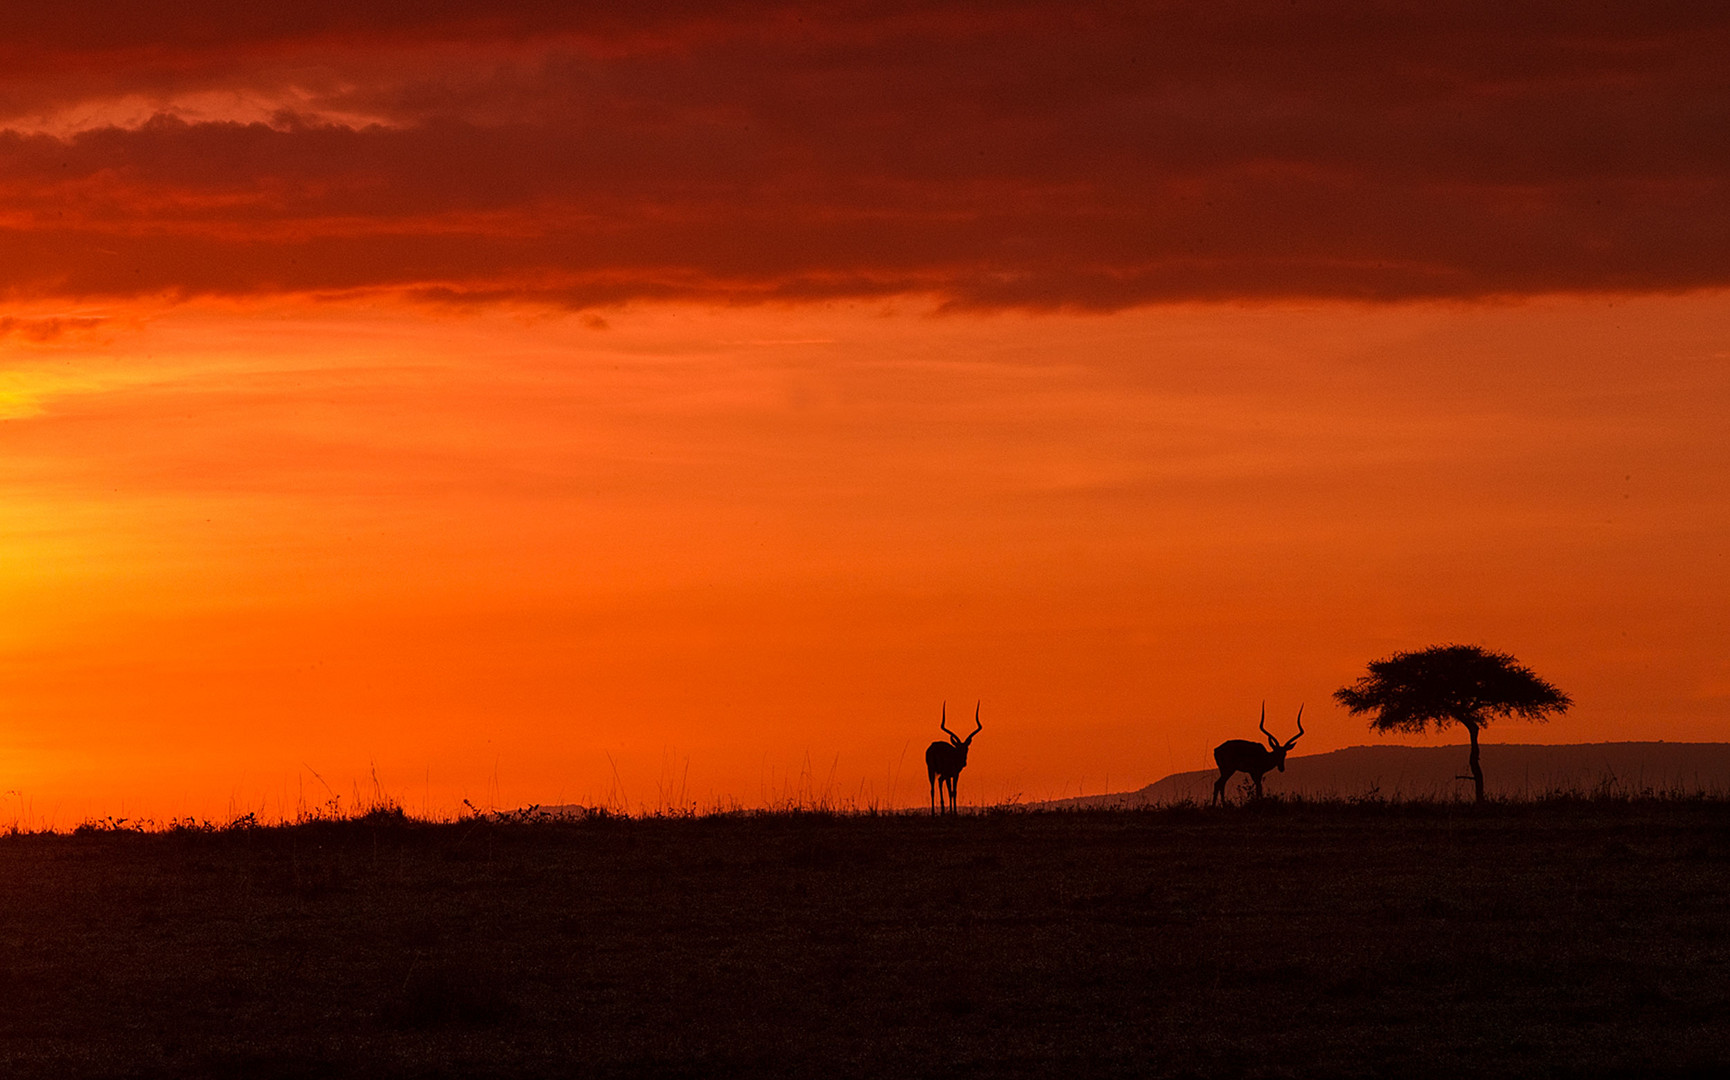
[[1038, 155]]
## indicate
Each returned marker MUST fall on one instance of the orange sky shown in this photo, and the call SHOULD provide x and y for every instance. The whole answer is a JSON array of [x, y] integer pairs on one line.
[[540, 408]]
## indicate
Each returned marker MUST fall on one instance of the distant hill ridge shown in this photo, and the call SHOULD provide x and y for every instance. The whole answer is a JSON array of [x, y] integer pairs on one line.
[[1429, 772]]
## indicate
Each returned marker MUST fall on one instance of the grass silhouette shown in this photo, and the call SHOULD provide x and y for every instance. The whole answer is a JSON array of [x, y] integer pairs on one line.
[[1577, 935]]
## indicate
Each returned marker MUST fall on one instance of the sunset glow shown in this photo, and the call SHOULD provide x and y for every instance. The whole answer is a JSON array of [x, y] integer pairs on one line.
[[672, 409]]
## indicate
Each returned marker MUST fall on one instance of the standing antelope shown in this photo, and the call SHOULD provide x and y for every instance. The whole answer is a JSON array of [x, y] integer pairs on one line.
[[1242, 755], [945, 760]]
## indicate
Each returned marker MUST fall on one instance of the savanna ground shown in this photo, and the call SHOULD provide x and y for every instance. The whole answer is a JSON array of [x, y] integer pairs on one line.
[[1562, 938]]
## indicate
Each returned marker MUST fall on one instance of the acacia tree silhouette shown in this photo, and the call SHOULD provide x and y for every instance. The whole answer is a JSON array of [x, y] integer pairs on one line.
[[1458, 684]]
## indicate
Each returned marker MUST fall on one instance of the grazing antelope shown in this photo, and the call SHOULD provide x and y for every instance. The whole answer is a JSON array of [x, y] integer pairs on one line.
[[945, 760], [1242, 755]]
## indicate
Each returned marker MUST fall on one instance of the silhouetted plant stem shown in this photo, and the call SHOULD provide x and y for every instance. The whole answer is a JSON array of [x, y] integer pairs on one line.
[[1477, 770]]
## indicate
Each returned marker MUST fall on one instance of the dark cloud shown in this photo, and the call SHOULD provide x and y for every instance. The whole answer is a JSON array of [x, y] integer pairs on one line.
[[1024, 155], [43, 330]]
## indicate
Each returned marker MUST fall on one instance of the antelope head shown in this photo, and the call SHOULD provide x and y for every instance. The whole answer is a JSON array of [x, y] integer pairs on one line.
[[1277, 748], [955, 740]]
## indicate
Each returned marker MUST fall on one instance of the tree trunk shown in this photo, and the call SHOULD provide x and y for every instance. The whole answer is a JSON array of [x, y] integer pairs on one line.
[[1477, 770]]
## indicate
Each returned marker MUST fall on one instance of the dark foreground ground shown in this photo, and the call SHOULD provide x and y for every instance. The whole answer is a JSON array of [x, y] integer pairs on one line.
[[1560, 939]]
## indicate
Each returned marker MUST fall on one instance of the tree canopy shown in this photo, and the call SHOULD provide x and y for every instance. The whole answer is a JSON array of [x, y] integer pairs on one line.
[[1445, 684], [1458, 684]]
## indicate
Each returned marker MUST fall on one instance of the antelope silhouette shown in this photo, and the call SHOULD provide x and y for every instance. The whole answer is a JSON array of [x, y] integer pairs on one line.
[[1242, 755], [945, 760]]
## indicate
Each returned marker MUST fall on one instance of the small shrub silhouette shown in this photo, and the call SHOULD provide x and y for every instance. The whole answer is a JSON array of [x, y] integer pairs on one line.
[[111, 824]]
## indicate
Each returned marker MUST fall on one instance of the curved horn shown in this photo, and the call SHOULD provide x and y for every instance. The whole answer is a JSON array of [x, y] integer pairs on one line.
[[976, 728], [1295, 738], [944, 721], [1271, 741]]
